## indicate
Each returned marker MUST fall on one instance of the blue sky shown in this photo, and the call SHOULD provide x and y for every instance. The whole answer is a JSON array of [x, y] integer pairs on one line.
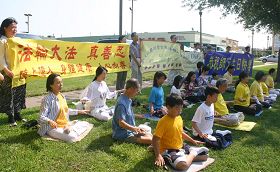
[[101, 17]]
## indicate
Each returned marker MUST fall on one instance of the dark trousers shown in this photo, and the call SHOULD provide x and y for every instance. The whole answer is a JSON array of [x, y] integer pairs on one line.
[[121, 77], [265, 104], [195, 99], [248, 110]]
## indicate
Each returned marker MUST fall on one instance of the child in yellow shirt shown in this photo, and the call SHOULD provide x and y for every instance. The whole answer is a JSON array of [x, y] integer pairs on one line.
[[169, 136]]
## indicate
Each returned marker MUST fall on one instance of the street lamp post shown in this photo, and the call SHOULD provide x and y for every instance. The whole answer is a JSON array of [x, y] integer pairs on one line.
[[253, 32], [267, 42], [200, 34], [28, 15], [131, 9], [120, 18]]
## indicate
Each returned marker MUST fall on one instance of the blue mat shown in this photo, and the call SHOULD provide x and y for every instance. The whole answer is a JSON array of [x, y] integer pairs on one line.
[[150, 117]]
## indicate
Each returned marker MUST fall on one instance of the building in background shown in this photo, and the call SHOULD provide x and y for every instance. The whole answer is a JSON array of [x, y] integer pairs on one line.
[[276, 42], [187, 38]]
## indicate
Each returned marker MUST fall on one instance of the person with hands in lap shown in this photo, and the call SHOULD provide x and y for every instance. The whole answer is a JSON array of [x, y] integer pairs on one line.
[[168, 139]]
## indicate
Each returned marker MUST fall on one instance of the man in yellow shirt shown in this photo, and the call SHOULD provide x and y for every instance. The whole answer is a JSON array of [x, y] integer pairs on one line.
[[222, 115], [256, 90], [270, 82], [169, 136], [229, 77]]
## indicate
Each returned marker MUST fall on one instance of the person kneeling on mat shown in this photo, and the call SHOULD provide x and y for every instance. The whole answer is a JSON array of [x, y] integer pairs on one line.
[[222, 115], [169, 136], [203, 121]]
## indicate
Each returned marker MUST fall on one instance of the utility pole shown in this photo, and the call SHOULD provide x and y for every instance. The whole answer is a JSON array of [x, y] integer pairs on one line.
[[28, 23], [120, 18], [200, 34]]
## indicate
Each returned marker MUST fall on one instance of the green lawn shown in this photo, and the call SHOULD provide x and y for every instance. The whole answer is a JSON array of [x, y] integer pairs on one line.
[[24, 150], [257, 63]]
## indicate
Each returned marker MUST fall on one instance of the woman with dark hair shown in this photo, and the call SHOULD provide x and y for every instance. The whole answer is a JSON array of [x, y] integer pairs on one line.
[[193, 93], [199, 67], [177, 85], [97, 93], [54, 114], [242, 97], [270, 82], [156, 98], [12, 100], [256, 90], [202, 80]]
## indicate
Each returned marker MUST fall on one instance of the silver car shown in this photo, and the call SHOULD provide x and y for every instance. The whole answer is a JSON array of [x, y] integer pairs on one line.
[[269, 58]]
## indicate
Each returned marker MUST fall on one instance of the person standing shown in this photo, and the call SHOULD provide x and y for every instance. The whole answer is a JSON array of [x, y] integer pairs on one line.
[[228, 49], [173, 72], [196, 47], [121, 76], [135, 57], [12, 100]]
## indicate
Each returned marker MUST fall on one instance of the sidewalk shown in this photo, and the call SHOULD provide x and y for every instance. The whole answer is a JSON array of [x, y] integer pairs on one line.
[[265, 64], [71, 95]]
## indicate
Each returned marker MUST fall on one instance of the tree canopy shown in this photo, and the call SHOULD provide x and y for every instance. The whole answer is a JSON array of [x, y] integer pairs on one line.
[[257, 14]]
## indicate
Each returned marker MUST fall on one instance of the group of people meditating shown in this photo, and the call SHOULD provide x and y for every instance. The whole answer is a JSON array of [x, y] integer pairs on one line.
[[167, 138]]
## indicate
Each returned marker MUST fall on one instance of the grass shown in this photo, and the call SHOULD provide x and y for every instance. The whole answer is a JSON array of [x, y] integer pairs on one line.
[[257, 63], [24, 150]]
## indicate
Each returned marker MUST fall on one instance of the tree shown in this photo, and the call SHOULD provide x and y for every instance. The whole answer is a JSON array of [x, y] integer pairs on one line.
[[253, 14]]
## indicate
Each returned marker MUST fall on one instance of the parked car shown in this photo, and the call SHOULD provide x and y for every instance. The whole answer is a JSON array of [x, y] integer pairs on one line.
[[269, 58]]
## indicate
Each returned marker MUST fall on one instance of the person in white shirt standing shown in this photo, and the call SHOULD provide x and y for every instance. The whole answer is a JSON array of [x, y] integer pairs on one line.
[[173, 72], [97, 93]]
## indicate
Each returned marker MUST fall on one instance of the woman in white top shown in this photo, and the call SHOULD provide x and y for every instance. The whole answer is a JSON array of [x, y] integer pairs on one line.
[[12, 100], [97, 93], [177, 85]]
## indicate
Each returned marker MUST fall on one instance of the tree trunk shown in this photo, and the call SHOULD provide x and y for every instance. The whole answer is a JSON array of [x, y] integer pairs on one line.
[[278, 68]]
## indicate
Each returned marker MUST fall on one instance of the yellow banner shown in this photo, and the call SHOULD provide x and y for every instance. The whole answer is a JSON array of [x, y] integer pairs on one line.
[[39, 58]]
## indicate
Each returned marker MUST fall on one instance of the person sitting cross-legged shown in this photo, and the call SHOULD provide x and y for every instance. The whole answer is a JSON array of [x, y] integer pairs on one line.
[[54, 114], [222, 115], [169, 136], [123, 123]]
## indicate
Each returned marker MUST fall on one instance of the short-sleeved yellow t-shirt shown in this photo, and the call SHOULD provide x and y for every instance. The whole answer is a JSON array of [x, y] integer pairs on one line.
[[170, 130], [269, 82], [242, 91], [221, 106], [61, 119], [265, 89], [256, 90]]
